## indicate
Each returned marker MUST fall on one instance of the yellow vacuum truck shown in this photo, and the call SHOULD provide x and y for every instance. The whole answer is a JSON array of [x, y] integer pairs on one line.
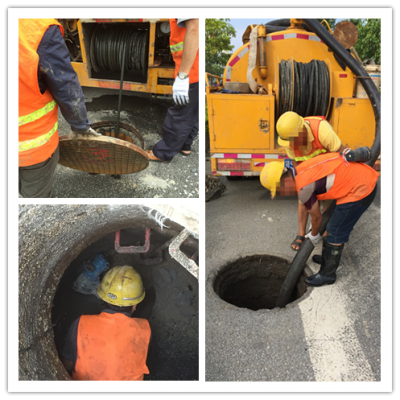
[[278, 69]]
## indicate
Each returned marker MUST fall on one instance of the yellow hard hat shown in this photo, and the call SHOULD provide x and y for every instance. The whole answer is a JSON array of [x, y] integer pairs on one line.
[[288, 125], [121, 286], [271, 176]]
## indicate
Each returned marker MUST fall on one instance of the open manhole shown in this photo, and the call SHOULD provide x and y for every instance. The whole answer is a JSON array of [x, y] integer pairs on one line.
[[254, 282], [58, 243], [171, 301]]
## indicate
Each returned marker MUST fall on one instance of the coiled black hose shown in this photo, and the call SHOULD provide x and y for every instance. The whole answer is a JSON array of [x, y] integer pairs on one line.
[[108, 44], [311, 88]]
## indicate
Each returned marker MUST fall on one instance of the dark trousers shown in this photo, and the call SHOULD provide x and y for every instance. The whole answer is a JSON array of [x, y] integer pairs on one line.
[[180, 128], [345, 217], [37, 180]]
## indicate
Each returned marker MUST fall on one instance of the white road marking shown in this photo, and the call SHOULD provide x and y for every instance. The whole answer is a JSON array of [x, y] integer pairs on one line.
[[334, 350]]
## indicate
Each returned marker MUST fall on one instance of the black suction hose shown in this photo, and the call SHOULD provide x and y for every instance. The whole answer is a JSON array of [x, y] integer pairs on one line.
[[121, 84], [307, 247], [299, 261], [359, 71]]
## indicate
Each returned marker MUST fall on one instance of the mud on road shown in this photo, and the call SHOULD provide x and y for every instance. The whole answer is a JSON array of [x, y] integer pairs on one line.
[[178, 179]]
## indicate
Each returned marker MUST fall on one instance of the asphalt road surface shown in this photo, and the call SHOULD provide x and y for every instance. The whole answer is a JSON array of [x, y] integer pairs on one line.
[[332, 333], [179, 178]]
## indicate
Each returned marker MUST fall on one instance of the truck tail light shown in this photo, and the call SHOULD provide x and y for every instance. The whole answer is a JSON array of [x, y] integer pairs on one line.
[[228, 164]]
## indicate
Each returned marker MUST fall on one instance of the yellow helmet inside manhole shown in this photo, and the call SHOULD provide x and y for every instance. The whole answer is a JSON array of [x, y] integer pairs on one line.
[[288, 126], [270, 176], [121, 286]]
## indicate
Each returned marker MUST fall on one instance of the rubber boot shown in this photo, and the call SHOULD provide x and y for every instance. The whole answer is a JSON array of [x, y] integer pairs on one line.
[[317, 259], [330, 262]]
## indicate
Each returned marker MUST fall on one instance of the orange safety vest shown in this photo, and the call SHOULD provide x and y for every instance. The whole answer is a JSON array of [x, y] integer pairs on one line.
[[317, 147], [111, 347], [353, 182], [38, 113], [176, 45]]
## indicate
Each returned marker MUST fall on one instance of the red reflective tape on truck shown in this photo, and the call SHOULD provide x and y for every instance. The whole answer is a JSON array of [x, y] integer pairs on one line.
[[230, 155], [249, 156], [294, 36], [234, 61]]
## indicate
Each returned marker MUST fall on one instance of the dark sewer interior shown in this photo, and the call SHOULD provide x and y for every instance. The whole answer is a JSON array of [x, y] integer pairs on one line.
[[254, 282], [170, 304]]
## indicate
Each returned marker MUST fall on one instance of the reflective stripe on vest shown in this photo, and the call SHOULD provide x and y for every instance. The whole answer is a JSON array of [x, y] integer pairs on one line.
[[34, 116], [319, 151], [39, 141], [38, 112], [176, 47]]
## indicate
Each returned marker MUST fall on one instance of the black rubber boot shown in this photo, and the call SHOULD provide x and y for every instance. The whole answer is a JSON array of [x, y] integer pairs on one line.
[[330, 262], [317, 259]]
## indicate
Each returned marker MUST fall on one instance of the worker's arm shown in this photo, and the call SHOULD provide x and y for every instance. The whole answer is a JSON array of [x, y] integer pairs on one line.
[[190, 45], [55, 72], [308, 196], [316, 218]]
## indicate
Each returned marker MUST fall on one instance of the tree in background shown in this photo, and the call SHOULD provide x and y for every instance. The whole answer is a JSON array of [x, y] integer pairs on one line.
[[218, 44], [368, 45]]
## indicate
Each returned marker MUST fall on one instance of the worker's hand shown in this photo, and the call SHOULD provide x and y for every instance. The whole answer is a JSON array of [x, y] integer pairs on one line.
[[180, 91], [314, 239]]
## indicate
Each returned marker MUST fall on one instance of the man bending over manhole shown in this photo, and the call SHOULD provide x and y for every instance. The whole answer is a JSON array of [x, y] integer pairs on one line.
[[328, 177], [111, 345]]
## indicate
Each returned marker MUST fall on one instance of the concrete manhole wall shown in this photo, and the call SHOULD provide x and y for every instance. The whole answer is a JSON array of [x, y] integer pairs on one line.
[[254, 281], [54, 237]]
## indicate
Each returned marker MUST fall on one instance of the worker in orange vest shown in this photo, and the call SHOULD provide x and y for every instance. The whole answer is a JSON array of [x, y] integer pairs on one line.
[[181, 125], [329, 176], [302, 139], [46, 81], [111, 346]]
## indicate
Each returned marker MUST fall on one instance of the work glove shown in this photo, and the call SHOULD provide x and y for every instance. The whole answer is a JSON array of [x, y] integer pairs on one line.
[[314, 239], [180, 91]]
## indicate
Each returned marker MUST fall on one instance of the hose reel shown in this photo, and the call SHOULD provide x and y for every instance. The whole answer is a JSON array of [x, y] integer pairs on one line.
[[108, 43], [304, 88]]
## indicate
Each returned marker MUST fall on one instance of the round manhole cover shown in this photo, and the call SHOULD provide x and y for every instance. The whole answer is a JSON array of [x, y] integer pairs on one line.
[[111, 153], [254, 282]]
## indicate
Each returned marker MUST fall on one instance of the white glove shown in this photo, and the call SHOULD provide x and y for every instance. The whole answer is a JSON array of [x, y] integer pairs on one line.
[[180, 91], [314, 239]]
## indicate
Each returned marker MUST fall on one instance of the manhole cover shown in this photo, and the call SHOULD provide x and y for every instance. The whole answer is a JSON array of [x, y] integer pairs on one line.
[[254, 282], [107, 154]]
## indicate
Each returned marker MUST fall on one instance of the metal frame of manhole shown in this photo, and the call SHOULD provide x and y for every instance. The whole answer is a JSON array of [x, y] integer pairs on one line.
[[212, 275]]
